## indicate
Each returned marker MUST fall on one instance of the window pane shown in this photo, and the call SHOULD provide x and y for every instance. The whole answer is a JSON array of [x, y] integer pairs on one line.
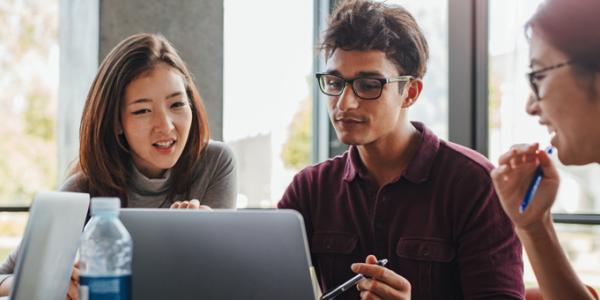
[[268, 94], [432, 107], [581, 243], [29, 84], [12, 228], [509, 124]]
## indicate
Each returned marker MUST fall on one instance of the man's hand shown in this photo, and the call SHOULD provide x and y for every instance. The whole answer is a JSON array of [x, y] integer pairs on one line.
[[192, 204], [380, 282], [72, 292]]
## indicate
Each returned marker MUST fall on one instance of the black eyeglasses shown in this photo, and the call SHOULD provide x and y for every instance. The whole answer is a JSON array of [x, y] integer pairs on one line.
[[537, 75], [364, 87]]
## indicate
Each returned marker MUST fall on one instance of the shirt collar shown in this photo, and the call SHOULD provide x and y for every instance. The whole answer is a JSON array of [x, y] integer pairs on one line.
[[353, 165], [418, 168]]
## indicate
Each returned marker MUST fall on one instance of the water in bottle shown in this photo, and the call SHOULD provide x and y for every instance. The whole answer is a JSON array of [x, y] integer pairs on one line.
[[105, 254]]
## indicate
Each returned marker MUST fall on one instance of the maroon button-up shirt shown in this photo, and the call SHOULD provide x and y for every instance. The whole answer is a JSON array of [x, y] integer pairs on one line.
[[439, 223]]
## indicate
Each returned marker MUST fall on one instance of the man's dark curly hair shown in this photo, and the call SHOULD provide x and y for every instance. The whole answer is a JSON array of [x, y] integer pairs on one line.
[[366, 25]]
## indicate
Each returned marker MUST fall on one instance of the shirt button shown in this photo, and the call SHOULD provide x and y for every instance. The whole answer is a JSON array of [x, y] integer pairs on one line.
[[426, 252], [328, 244]]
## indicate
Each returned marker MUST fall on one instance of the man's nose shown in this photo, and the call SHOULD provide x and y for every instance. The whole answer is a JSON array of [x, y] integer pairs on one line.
[[348, 99]]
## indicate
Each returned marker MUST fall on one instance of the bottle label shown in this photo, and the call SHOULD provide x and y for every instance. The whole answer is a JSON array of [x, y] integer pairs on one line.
[[105, 287]]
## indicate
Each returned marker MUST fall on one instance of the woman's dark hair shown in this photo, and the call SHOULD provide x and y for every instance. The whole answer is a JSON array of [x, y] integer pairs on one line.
[[573, 27], [104, 156], [367, 25]]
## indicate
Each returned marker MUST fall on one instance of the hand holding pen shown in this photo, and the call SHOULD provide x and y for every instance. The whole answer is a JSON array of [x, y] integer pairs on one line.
[[374, 279], [533, 186], [526, 183]]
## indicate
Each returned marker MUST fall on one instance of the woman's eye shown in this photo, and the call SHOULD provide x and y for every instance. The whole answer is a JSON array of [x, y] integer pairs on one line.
[[538, 77], [178, 104], [141, 111]]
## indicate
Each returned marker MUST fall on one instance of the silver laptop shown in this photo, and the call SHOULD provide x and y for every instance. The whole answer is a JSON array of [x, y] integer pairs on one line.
[[251, 255], [47, 250]]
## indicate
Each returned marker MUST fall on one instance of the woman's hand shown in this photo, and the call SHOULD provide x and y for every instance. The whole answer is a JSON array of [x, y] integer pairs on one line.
[[514, 175], [6, 286], [191, 204], [380, 282], [72, 292]]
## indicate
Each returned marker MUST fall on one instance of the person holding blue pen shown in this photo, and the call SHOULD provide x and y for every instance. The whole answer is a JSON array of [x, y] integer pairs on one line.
[[565, 82]]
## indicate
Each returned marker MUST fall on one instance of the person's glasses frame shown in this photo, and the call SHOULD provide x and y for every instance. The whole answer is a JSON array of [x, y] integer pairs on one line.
[[532, 77], [357, 84]]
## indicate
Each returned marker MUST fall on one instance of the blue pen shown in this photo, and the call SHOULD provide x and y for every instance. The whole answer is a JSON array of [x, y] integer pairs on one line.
[[533, 186]]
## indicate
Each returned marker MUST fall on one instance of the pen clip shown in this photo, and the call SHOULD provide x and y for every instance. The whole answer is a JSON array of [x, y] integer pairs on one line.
[[382, 262]]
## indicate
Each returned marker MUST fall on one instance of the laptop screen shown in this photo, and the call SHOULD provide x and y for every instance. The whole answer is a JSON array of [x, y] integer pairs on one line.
[[184, 254]]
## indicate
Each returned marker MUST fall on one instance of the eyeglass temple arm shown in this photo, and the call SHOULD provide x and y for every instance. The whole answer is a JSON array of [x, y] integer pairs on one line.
[[400, 78]]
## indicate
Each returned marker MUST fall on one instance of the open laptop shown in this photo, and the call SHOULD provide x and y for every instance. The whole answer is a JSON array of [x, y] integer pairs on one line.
[[221, 254], [48, 247]]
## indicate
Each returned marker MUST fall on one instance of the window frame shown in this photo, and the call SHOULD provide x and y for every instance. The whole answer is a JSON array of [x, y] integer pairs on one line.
[[14, 208]]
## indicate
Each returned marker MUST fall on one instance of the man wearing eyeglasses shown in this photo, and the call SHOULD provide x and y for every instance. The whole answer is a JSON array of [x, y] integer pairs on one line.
[[399, 192]]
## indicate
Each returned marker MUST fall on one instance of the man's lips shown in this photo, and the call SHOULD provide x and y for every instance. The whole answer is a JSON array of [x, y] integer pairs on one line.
[[349, 119]]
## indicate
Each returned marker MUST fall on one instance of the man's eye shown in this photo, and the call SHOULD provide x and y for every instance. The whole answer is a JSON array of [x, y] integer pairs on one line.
[[368, 85], [141, 111], [334, 83]]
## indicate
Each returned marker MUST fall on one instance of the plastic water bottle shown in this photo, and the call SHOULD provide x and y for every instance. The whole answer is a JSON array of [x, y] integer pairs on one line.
[[105, 254]]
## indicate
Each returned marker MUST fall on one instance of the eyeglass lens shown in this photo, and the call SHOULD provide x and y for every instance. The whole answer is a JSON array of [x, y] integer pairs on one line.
[[534, 86], [367, 88]]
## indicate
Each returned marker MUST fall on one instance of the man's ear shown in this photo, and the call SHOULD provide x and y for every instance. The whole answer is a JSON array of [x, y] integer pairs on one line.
[[413, 90]]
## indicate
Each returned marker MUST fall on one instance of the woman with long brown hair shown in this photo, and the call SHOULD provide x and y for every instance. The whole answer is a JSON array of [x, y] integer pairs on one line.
[[144, 133], [144, 137]]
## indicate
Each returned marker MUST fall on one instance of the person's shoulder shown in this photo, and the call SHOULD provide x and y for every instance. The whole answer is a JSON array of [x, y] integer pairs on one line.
[[318, 177], [75, 183], [331, 166], [215, 157], [217, 150], [468, 160]]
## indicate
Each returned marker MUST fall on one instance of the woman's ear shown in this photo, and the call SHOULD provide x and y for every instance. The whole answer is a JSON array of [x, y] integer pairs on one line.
[[119, 126], [121, 140], [413, 90], [119, 129]]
